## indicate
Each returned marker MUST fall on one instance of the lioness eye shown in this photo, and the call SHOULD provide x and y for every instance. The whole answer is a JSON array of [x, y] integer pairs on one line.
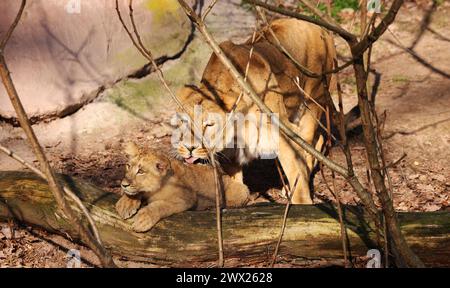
[[140, 171]]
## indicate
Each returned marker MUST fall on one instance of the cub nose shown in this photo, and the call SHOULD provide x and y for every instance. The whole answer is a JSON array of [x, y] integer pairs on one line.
[[125, 184]]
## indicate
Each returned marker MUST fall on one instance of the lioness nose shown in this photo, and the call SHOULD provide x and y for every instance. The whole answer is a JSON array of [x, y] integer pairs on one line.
[[190, 148], [124, 184]]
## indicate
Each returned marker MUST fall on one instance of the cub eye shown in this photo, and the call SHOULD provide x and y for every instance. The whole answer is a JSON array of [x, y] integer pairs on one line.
[[209, 124], [140, 171]]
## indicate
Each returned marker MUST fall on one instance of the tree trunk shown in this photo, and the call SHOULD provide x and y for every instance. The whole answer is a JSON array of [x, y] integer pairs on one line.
[[312, 232]]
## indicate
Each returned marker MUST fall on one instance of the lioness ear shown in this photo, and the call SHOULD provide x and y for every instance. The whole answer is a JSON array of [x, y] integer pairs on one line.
[[184, 93], [131, 149]]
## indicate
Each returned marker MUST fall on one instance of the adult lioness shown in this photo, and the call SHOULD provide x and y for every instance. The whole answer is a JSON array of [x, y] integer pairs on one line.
[[167, 186], [273, 77]]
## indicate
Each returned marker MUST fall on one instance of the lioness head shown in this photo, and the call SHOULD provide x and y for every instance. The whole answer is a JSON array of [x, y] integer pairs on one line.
[[146, 170], [246, 135], [191, 141]]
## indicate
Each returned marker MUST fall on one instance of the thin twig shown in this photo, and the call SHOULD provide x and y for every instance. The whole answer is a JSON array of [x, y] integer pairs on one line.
[[238, 100], [297, 83], [285, 214], [343, 229], [340, 31], [145, 51], [324, 16], [218, 187], [363, 16], [299, 66], [335, 193], [394, 163], [12, 27], [369, 39], [280, 47], [390, 186], [208, 9]]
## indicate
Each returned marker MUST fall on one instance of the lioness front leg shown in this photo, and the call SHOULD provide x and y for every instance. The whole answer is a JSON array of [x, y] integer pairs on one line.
[[295, 167], [148, 216], [293, 159], [300, 168]]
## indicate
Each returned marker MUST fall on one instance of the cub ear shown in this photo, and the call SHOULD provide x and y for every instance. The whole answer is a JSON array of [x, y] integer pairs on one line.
[[131, 149], [162, 166]]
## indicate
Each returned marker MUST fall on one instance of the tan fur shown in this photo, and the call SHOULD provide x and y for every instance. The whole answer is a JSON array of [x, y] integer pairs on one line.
[[164, 186], [272, 74]]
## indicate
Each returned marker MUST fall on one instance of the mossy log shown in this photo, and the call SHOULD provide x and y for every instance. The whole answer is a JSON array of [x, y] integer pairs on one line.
[[312, 232]]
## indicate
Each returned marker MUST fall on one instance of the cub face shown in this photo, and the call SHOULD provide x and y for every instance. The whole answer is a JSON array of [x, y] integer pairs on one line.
[[145, 171]]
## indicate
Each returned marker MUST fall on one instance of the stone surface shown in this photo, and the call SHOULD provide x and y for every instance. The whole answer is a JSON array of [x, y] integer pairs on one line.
[[60, 58]]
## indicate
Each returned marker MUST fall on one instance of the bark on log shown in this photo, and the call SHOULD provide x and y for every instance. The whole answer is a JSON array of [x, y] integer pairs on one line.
[[312, 232]]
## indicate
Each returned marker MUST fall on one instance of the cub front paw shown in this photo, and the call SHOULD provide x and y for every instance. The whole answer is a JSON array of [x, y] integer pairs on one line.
[[143, 221], [126, 207]]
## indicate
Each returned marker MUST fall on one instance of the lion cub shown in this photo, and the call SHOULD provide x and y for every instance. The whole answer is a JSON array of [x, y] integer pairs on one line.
[[156, 187]]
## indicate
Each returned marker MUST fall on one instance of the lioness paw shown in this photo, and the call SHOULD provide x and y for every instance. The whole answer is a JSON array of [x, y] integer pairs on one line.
[[143, 221], [126, 207]]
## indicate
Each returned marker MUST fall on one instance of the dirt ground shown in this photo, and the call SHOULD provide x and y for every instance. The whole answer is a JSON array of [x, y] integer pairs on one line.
[[413, 97]]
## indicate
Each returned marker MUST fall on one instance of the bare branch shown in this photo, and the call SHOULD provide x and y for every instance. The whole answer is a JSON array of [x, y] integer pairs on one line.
[[236, 103], [208, 9], [404, 254], [324, 16], [362, 45], [343, 228], [218, 188], [299, 66], [12, 27], [280, 47], [363, 15], [286, 211], [390, 165], [341, 32]]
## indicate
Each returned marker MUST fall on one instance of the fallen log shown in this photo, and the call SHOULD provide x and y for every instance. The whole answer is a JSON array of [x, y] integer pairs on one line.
[[312, 232]]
